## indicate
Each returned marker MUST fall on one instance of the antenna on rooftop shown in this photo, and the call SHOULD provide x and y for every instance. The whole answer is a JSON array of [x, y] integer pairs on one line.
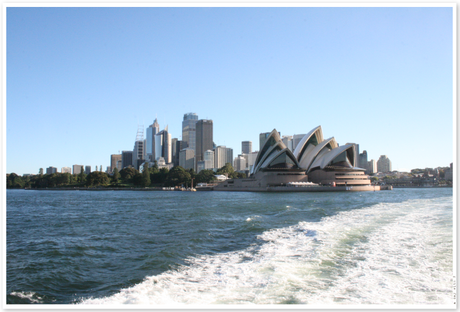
[[140, 133]]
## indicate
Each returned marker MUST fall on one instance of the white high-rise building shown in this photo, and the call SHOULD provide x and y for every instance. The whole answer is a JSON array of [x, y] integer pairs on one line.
[[371, 167], [252, 159], [209, 159], [239, 163], [222, 155], [163, 147], [152, 130], [287, 140], [66, 170], [384, 164]]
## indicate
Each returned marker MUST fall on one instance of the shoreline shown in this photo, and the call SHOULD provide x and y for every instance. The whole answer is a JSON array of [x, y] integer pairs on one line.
[[211, 188]]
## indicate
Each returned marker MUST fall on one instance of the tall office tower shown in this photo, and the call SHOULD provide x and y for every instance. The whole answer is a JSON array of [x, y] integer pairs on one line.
[[88, 169], [138, 154], [152, 130], [362, 160], [222, 155], [356, 152], [262, 138], [251, 159], [200, 166], [246, 158], [174, 151], [239, 163], [180, 145], [208, 159], [187, 158], [296, 139], [371, 167], [51, 170], [287, 140], [163, 147], [246, 147], [126, 159], [203, 138], [114, 158], [77, 169], [66, 170], [384, 164], [189, 129]]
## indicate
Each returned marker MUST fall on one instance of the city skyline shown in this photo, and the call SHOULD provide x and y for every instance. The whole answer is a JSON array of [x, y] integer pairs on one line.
[[80, 80]]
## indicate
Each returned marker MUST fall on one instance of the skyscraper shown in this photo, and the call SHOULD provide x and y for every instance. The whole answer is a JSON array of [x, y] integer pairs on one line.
[[152, 130], [174, 152], [187, 158], [384, 164], [114, 158], [209, 159], [77, 169], [287, 140], [138, 154], [51, 170], [262, 138], [163, 147], [356, 147], [296, 139], [222, 155], [180, 145], [246, 147], [126, 159], [239, 163], [189, 129], [204, 138], [371, 167], [362, 160]]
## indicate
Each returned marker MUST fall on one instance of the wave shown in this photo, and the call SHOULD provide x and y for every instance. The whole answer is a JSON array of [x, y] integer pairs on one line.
[[26, 297], [386, 254]]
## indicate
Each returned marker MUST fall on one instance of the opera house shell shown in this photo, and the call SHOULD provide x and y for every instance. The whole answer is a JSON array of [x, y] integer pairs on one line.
[[315, 159]]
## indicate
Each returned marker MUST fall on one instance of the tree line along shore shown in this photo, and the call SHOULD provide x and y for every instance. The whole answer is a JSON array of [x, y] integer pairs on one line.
[[150, 177]]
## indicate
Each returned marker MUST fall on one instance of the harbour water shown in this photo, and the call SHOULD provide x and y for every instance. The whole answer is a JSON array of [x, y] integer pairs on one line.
[[392, 248]]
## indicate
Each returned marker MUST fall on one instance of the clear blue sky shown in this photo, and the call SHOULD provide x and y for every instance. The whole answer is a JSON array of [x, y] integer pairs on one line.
[[81, 80]]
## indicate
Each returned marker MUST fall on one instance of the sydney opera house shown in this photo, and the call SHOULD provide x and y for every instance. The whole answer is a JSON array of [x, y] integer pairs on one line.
[[317, 164]]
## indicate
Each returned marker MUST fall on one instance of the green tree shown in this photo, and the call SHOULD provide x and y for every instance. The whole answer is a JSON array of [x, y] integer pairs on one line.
[[127, 174], [137, 179], [205, 176], [14, 181], [226, 169], [115, 176], [160, 176], [178, 176], [97, 178], [82, 177], [154, 169], [146, 175]]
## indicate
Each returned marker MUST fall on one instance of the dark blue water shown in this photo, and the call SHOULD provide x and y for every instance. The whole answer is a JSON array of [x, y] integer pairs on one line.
[[70, 246]]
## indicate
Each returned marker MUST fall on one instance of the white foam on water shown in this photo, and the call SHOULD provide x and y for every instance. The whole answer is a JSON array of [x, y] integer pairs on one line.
[[391, 254], [31, 296]]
